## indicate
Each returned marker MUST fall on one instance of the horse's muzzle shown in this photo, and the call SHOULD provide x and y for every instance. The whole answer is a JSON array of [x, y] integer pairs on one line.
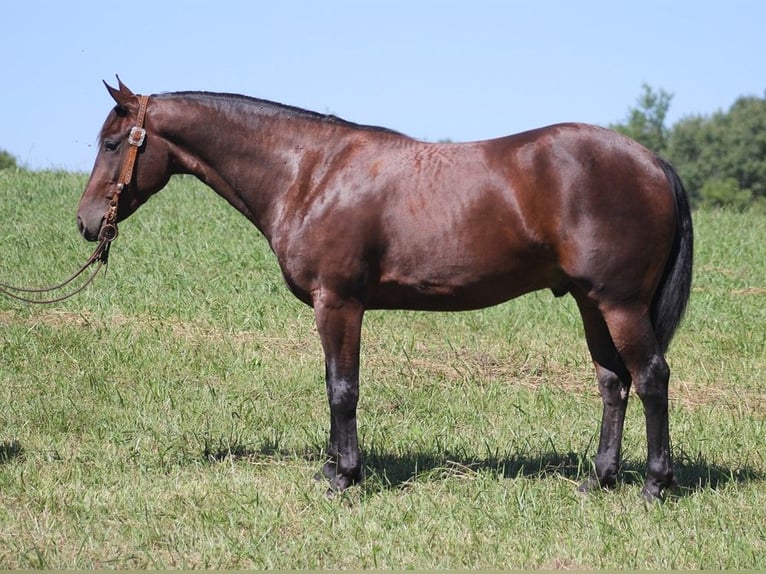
[[90, 233]]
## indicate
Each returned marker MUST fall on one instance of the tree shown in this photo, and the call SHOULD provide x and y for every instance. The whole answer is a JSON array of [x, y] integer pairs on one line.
[[646, 122], [694, 149], [745, 142], [722, 158], [6, 160]]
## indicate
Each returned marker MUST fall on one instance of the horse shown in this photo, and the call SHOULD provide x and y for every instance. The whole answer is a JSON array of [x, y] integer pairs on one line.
[[362, 217]]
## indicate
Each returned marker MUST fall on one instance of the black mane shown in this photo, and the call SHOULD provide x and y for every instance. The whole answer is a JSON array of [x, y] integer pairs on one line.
[[276, 108]]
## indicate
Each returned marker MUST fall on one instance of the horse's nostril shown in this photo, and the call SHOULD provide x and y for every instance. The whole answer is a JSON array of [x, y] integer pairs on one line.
[[87, 231]]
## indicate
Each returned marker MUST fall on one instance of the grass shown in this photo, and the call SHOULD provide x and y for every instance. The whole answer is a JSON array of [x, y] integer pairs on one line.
[[173, 415]]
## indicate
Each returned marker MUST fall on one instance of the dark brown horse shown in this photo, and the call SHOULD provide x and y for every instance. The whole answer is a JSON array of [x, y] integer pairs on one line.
[[364, 218]]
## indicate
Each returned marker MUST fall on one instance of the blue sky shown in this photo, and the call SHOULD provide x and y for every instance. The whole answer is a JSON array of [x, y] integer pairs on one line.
[[463, 70]]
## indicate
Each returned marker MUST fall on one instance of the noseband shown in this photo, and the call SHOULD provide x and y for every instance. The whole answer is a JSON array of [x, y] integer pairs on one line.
[[108, 231]]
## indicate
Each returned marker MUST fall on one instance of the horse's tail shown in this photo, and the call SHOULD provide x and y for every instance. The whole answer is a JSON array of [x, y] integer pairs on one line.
[[673, 292]]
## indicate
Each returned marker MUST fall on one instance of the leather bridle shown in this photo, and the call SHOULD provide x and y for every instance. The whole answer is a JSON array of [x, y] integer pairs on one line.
[[135, 140], [108, 231]]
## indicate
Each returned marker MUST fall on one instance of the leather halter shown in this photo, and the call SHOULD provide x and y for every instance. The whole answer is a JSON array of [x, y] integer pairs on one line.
[[135, 140]]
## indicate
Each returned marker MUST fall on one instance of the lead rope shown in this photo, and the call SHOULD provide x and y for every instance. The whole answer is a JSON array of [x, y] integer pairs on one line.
[[108, 231], [101, 254]]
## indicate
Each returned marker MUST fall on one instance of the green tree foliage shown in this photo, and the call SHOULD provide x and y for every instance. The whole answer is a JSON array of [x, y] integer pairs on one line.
[[646, 121], [6, 160], [720, 157]]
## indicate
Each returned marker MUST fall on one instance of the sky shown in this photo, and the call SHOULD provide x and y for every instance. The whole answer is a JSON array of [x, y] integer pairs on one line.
[[433, 69]]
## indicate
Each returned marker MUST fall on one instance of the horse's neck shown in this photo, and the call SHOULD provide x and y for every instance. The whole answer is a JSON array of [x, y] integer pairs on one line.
[[250, 163]]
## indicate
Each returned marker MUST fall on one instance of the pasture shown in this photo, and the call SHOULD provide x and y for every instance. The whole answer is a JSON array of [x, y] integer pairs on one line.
[[174, 414]]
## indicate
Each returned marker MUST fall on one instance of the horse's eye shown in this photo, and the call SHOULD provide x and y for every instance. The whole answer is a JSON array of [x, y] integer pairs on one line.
[[110, 145]]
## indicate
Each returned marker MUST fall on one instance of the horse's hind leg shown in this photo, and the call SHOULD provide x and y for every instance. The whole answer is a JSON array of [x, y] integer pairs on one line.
[[614, 386], [633, 335]]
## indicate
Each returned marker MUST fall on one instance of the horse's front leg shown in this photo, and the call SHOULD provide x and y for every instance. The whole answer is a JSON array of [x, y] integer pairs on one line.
[[339, 322]]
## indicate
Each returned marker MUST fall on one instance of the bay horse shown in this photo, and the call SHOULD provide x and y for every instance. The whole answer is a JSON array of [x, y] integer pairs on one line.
[[362, 217]]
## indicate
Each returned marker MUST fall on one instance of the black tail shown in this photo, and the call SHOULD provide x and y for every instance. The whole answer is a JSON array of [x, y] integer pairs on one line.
[[673, 292]]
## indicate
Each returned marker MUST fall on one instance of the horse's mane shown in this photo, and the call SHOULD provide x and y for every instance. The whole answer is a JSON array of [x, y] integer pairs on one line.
[[274, 108]]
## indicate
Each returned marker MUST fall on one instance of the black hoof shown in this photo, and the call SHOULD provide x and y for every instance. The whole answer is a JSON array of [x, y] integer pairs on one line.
[[588, 486], [327, 472], [338, 481], [593, 484], [654, 489], [651, 498]]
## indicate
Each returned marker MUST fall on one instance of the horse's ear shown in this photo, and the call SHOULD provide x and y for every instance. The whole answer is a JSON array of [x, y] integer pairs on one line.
[[125, 99], [123, 88]]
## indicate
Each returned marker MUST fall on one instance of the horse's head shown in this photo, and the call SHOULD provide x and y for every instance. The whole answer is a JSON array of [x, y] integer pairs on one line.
[[120, 183]]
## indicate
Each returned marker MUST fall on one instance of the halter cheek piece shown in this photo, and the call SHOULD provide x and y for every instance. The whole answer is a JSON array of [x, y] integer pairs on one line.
[[135, 140]]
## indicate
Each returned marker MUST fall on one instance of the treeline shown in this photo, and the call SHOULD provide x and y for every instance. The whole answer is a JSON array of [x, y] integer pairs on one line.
[[721, 158]]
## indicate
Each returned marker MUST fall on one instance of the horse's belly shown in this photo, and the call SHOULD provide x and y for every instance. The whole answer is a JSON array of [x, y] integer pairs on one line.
[[452, 294]]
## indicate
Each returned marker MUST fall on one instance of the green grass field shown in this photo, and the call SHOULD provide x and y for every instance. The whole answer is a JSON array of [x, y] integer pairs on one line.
[[173, 415]]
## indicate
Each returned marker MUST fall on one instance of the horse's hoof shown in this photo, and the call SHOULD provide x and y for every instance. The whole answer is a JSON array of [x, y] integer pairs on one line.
[[588, 486], [327, 472], [338, 482], [654, 489], [653, 494], [341, 482], [650, 498], [593, 484]]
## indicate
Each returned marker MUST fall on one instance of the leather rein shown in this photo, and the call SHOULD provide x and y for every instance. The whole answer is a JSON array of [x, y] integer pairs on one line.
[[107, 233]]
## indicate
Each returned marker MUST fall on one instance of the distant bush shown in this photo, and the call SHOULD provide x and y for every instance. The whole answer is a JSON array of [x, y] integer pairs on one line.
[[6, 160], [725, 193]]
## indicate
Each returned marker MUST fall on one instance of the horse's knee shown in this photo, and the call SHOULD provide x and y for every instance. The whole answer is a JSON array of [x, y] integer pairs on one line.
[[613, 388]]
